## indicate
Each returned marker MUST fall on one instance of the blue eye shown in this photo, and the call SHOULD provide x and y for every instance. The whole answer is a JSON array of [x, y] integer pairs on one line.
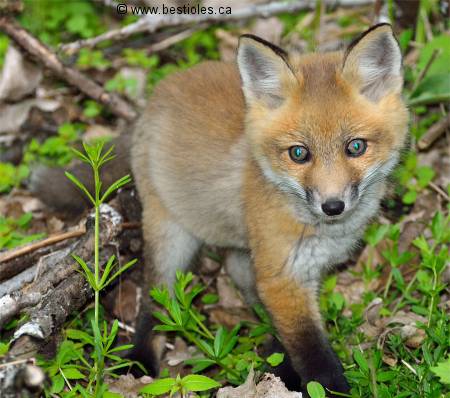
[[356, 147], [299, 153]]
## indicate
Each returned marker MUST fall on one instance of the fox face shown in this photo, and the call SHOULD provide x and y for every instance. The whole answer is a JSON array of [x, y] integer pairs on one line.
[[326, 129]]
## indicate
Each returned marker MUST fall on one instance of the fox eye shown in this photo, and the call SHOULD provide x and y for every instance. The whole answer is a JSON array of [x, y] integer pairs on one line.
[[356, 148], [299, 153]]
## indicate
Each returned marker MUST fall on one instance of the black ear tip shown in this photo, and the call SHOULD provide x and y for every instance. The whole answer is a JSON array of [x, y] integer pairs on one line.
[[250, 36], [277, 50], [365, 33]]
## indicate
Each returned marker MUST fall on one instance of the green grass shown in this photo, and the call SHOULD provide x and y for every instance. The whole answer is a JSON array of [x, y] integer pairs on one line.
[[389, 365]]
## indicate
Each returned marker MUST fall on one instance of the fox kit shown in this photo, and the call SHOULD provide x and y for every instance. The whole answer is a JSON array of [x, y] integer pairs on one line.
[[283, 159]]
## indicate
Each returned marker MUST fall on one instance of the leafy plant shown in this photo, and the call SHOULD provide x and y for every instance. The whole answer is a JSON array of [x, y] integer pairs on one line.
[[122, 84], [102, 338], [4, 43], [414, 369], [413, 178], [232, 352], [189, 383], [11, 176], [92, 109], [48, 18], [55, 150], [12, 231]]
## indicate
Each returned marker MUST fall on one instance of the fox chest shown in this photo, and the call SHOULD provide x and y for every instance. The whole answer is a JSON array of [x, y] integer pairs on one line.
[[314, 255]]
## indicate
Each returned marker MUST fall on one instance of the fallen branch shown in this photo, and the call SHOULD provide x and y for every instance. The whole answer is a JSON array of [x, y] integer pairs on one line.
[[151, 23], [34, 284], [16, 265], [58, 290], [434, 132], [45, 56], [10, 255]]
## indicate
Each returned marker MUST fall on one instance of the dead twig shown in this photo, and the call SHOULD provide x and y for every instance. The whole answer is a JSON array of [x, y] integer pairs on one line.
[[46, 57], [434, 132], [439, 191], [425, 70], [40, 244], [151, 23]]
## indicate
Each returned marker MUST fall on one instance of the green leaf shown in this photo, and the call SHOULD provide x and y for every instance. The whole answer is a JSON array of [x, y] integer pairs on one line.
[[219, 340], [275, 359], [175, 312], [210, 298], [442, 370], [206, 347], [115, 186], [199, 364], [167, 328], [199, 383], [442, 61], [108, 268], [80, 185], [4, 347], [315, 390], [109, 394], [87, 272], [386, 376], [72, 373], [159, 387], [425, 174], [76, 334], [409, 197], [120, 271], [360, 360], [57, 384], [433, 89]]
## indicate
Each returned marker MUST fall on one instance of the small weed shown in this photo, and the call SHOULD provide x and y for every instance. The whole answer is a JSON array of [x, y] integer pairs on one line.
[[55, 150], [414, 370], [11, 176], [13, 231], [231, 352], [72, 361]]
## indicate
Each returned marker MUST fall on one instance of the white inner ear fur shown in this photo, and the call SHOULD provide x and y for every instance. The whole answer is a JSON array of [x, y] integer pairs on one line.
[[262, 72], [377, 60]]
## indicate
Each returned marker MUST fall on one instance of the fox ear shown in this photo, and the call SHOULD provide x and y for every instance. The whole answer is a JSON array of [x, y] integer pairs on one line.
[[264, 71], [374, 63]]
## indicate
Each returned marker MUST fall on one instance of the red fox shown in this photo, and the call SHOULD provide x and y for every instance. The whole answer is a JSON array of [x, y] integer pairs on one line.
[[283, 159]]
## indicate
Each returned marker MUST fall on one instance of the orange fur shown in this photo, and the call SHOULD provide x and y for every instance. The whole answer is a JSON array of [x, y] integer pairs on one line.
[[212, 166]]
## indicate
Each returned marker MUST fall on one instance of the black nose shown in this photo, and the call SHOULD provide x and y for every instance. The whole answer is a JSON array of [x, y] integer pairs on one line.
[[333, 207]]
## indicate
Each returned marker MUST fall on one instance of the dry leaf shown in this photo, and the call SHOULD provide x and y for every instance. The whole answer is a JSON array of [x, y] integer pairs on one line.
[[389, 360], [228, 294], [270, 386], [127, 386], [14, 116], [179, 353], [19, 76]]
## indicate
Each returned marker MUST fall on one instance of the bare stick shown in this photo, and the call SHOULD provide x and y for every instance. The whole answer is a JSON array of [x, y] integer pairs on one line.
[[425, 70], [46, 57], [151, 23], [434, 132], [439, 191], [40, 244], [171, 40]]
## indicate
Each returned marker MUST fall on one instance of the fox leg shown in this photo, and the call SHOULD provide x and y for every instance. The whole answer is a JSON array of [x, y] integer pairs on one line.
[[239, 266], [168, 247], [289, 293], [295, 314]]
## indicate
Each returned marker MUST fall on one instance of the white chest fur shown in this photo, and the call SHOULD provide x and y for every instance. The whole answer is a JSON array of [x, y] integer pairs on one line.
[[313, 255]]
